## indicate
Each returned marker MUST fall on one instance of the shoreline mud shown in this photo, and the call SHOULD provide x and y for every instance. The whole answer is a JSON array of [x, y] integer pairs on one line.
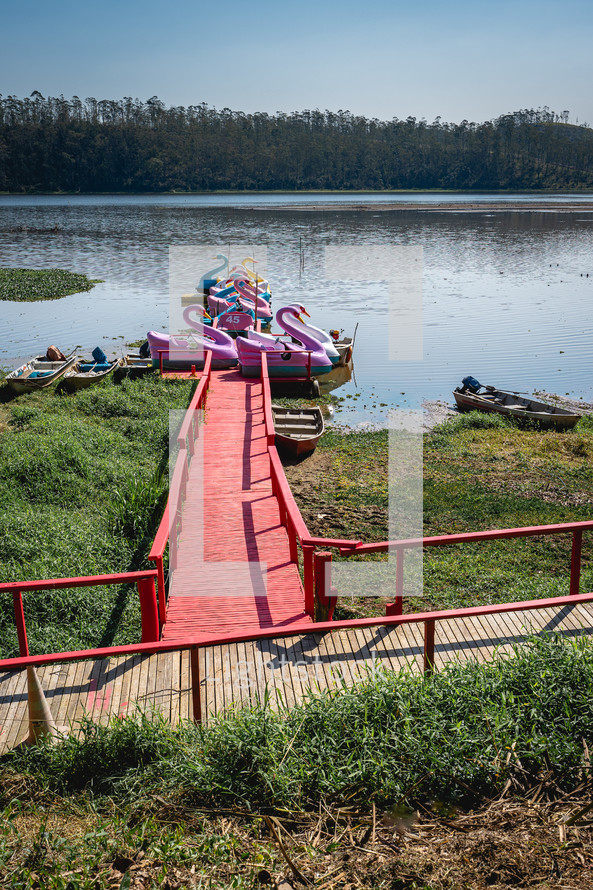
[[447, 207]]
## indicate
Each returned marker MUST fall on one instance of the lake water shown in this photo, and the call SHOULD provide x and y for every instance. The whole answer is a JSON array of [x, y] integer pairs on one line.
[[504, 294]]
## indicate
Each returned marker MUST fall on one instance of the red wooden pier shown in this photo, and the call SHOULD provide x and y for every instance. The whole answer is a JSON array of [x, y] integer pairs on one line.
[[233, 565], [235, 623]]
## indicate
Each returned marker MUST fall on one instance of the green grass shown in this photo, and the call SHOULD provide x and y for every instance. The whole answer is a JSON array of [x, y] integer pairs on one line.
[[479, 472], [187, 805], [83, 482], [75, 847], [128, 796], [28, 285]]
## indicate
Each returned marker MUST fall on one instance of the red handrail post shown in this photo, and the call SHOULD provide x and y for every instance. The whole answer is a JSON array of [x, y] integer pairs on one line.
[[196, 692], [575, 561], [308, 552], [292, 538], [161, 362], [19, 617], [397, 607], [322, 588], [148, 609], [429, 646], [161, 589]]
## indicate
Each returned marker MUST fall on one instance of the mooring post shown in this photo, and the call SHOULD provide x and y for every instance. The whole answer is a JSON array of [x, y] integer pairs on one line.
[[196, 692], [19, 617], [575, 561], [161, 589], [308, 551], [397, 607], [429, 646], [322, 586], [148, 610]]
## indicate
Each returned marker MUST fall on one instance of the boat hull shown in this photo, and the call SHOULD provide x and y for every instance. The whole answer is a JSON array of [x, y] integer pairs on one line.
[[500, 402], [37, 374], [177, 353], [297, 430], [285, 370], [75, 379]]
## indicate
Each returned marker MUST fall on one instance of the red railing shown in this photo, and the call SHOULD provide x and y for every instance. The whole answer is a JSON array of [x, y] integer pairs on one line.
[[399, 548], [146, 592], [189, 428], [170, 526], [267, 399], [428, 619]]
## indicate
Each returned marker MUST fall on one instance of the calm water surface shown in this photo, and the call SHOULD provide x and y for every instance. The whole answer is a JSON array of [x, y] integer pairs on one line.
[[506, 295]]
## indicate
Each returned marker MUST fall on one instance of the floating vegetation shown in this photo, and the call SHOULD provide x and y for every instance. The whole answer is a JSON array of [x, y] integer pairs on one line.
[[29, 285]]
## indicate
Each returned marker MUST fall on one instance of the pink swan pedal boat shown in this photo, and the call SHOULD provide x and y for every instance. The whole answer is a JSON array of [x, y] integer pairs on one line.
[[183, 352], [240, 289], [284, 359]]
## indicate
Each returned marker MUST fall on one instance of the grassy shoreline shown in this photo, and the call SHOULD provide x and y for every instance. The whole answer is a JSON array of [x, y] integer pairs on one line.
[[83, 482], [351, 787]]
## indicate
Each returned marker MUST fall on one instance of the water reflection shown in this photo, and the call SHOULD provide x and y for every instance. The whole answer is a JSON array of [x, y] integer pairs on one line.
[[336, 378], [506, 295]]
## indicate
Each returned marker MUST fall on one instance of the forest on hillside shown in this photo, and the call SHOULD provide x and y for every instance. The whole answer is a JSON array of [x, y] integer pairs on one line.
[[129, 145]]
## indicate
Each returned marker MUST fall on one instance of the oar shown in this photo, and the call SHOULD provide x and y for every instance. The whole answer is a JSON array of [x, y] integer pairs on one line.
[[513, 392]]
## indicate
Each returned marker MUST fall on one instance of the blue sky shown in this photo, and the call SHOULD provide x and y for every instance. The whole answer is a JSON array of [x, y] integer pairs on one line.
[[379, 59]]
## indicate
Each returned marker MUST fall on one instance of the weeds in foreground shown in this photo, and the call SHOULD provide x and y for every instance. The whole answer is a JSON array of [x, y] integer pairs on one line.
[[352, 785], [460, 735]]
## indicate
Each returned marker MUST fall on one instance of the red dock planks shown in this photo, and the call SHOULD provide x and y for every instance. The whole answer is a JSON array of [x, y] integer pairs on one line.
[[233, 568]]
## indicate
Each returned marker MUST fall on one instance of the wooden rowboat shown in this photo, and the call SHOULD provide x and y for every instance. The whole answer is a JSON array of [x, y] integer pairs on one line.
[[83, 374], [490, 399], [138, 363], [344, 348], [38, 373], [298, 430]]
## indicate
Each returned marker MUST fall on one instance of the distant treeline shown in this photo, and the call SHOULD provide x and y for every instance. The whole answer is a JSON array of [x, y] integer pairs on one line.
[[127, 145]]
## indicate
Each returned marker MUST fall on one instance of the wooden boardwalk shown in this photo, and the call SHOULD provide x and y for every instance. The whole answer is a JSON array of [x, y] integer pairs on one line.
[[233, 570], [281, 671]]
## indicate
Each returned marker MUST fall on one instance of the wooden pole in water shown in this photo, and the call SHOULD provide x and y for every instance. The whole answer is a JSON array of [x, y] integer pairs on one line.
[[256, 301]]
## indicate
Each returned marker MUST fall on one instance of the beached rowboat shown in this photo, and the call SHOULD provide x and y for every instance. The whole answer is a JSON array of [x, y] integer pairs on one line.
[[84, 374], [298, 430], [472, 396], [38, 373]]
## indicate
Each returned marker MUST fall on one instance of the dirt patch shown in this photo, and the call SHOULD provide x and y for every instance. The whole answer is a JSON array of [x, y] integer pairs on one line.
[[436, 413]]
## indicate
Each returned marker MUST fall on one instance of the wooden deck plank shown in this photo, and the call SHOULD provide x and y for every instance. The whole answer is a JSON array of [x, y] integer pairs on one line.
[[72, 697], [151, 696], [364, 652], [286, 667], [451, 641], [13, 693], [142, 682], [61, 689], [135, 681], [128, 666], [208, 694], [185, 699]]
